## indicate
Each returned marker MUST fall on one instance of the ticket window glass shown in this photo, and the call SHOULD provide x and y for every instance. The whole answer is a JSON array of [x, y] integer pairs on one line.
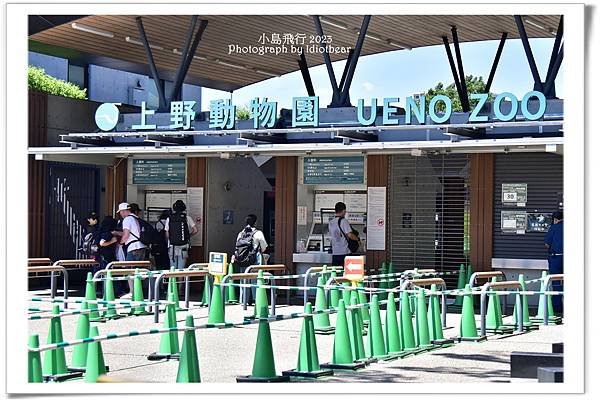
[[317, 196]]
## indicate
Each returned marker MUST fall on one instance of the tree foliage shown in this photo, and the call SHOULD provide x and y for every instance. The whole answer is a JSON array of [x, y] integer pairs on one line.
[[474, 85], [40, 81], [242, 113]]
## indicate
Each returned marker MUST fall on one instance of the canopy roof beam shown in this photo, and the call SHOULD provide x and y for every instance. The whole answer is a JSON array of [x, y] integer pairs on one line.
[[459, 87], [303, 65], [160, 88], [488, 84]]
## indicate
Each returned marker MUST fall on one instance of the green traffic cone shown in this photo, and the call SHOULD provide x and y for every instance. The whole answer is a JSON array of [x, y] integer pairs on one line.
[[263, 369], [216, 313], [492, 320], [308, 357], [34, 361], [109, 295], [90, 295], [383, 283], [54, 360], [346, 292], [169, 341], [189, 368], [524, 306], [424, 340], [334, 294], [408, 333], [468, 326], [79, 358], [230, 295], [206, 291], [435, 320], [375, 341], [461, 284], [362, 299], [342, 348], [138, 294], [94, 366], [321, 320], [392, 335], [355, 329], [261, 294]]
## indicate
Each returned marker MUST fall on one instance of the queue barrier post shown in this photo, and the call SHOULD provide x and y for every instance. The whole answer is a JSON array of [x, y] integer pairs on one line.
[[504, 285], [52, 269], [421, 282], [547, 280], [174, 273]]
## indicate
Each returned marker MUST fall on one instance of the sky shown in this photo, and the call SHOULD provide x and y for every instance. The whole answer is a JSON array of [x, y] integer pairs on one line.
[[402, 73]]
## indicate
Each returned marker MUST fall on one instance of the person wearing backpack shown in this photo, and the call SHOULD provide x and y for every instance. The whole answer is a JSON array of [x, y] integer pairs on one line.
[[133, 248], [161, 255], [89, 244], [344, 239], [250, 246], [179, 228]]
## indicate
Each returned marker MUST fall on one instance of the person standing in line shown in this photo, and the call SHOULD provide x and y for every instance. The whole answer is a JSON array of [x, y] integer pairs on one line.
[[179, 228], [107, 247], [250, 248], [554, 243], [341, 232], [133, 248], [161, 257]]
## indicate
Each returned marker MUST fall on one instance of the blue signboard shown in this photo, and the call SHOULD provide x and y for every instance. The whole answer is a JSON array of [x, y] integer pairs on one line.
[[334, 170], [159, 171]]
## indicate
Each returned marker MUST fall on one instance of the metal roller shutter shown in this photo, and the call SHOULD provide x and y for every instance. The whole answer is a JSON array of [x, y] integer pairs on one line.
[[429, 198], [543, 174]]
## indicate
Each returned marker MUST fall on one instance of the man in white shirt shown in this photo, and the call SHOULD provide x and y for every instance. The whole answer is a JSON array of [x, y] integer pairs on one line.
[[259, 242], [339, 243], [133, 248], [179, 253]]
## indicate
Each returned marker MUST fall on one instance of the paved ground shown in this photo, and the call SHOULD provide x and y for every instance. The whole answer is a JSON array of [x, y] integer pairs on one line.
[[227, 353]]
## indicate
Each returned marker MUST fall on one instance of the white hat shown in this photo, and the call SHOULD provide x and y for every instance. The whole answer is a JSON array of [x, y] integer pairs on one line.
[[123, 206]]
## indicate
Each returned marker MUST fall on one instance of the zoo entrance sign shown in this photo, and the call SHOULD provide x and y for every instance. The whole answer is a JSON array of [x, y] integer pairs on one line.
[[305, 111]]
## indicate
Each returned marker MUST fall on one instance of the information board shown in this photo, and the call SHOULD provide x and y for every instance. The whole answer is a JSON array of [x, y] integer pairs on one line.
[[514, 194], [217, 263], [334, 170], [376, 217], [514, 221], [158, 171], [195, 209], [538, 222]]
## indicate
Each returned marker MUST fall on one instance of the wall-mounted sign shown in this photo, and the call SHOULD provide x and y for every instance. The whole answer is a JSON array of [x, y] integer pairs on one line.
[[376, 197], [195, 209], [301, 215], [538, 222], [305, 111], [227, 216], [354, 268], [334, 170], [514, 221], [217, 263], [514, 194], [158, 171]]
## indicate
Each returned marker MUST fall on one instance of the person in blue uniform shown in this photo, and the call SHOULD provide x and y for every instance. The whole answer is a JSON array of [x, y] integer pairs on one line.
[[554, 243]]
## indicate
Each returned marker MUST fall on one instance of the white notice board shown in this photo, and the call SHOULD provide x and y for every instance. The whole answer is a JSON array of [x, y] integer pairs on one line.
[[376, 208], [327, 200], [195, 209]]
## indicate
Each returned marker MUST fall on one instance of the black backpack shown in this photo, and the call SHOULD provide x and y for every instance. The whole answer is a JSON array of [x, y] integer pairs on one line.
[[245, 251], [149, 235], [90, 245], [353, 245], [179, 233]]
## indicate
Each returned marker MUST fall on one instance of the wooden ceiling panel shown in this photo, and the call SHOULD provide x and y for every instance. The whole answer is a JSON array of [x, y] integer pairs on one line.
[[170, 32]]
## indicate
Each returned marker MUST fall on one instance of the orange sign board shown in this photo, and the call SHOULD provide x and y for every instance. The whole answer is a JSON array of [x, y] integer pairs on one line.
[[354, 267]]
